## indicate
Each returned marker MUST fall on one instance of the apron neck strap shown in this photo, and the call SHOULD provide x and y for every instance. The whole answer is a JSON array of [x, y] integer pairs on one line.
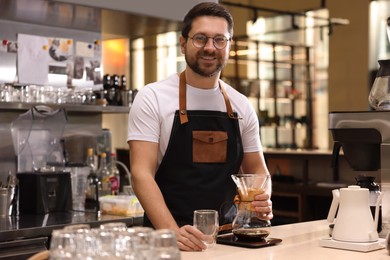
[[183, 100]]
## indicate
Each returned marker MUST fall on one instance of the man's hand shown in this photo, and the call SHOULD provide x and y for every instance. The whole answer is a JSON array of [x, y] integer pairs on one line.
[[263, 206], [190, 238]]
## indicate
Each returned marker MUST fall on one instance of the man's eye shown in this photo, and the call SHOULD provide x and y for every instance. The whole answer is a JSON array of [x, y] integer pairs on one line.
[[200, 38], [219, 39]]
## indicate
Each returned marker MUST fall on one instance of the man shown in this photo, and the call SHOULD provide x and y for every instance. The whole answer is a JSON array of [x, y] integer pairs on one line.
[[188, 133]]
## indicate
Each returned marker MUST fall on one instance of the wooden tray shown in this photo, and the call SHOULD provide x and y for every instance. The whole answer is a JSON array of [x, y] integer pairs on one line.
[[230, 239]]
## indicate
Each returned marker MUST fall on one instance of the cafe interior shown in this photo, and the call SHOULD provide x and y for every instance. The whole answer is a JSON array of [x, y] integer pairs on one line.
[[315, 72]]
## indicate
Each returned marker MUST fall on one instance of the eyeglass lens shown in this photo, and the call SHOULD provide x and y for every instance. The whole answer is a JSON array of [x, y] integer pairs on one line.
[[200, 40]]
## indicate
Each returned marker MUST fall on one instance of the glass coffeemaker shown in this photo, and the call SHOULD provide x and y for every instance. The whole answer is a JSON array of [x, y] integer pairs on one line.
[[379, 97], [248, 224]]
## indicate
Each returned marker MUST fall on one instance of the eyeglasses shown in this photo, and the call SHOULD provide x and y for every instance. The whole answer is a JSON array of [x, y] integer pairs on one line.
[[200, 40]]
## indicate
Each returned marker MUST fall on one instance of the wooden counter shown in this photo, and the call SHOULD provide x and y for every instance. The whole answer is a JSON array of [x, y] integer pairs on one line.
[[300, 241]]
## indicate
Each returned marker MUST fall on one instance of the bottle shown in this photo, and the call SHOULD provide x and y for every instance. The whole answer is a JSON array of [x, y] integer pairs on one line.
[[12, 184], [114, 176], [106, 82], [114, 90], [92, 194], [104, 176], [123, 82], [374, 188], [121, 91]]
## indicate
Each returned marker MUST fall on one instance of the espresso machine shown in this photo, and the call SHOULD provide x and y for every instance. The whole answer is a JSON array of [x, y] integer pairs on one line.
[[364, 137]]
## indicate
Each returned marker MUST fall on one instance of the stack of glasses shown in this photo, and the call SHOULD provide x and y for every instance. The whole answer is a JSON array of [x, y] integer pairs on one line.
[[113, 241]]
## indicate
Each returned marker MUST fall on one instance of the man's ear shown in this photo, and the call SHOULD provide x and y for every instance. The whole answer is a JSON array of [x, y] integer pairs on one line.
[[183, 42]]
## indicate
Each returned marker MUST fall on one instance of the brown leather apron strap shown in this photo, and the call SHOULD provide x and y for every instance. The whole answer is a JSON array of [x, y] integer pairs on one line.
[[227, 102], [183, 100]]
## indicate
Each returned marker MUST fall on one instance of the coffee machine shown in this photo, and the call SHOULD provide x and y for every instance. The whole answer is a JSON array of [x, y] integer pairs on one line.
[[364, 137]]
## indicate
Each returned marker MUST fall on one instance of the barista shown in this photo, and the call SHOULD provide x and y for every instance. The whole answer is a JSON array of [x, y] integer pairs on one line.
[[188, 133]]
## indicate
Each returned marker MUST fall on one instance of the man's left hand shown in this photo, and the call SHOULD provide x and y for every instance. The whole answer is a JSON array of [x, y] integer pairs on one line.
[[263, 206]]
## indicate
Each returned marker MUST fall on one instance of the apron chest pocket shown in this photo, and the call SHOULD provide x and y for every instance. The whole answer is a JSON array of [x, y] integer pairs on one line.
[[209, 146]]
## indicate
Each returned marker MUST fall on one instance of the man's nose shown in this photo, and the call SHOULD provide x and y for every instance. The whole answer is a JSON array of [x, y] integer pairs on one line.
[[209, 43]]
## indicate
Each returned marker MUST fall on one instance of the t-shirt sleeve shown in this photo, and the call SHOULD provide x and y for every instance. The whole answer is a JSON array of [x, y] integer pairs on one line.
[[143, 121], [251, 131]]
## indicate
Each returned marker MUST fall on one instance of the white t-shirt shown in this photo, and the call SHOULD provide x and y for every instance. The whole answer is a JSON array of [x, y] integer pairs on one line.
[[152, 112]]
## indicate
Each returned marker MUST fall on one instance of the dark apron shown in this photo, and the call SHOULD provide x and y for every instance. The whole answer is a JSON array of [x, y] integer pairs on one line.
[[204, 149]]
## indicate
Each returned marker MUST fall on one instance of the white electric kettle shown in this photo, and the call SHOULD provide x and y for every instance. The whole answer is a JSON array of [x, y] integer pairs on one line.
[[354, 222]]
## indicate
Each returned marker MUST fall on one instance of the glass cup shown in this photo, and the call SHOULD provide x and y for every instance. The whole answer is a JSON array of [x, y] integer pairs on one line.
[[145, 246], [127, 246], [105, 241], [7, 93], [114, 226], [77, 227], [6, 195], [69, 244], [207, 221], [61, 244], [79, 187], [164, 245]]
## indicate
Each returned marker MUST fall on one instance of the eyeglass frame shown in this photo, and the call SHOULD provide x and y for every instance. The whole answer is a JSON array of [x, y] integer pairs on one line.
[[213, 38]]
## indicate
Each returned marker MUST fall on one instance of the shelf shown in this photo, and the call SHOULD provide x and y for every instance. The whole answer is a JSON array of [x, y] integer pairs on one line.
[[287, 204], [298, 187], [282, 99], [68, 107], [278, 80], [269, 79], [295, 62], [300, 202], [280, 127], [285, 213]]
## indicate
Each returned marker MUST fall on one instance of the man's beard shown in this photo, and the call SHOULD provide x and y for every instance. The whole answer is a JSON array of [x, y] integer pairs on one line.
[[194, 65]]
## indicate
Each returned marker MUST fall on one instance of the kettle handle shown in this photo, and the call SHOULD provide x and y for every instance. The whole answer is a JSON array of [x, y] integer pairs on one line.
[[378, 203], [334, 205]]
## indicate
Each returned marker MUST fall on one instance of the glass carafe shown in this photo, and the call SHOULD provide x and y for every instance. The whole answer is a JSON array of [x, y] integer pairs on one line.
[[248, 225], [379, 97]]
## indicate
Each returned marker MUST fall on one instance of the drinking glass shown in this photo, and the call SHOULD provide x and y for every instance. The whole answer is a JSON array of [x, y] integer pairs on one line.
[[145, 246], [165, 246], [68, 244], [207, 221], [111, 239], [105, 241], [127, 245], [114, 226], [7, 93], [79, 187], [61, 245], [77, 226]]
